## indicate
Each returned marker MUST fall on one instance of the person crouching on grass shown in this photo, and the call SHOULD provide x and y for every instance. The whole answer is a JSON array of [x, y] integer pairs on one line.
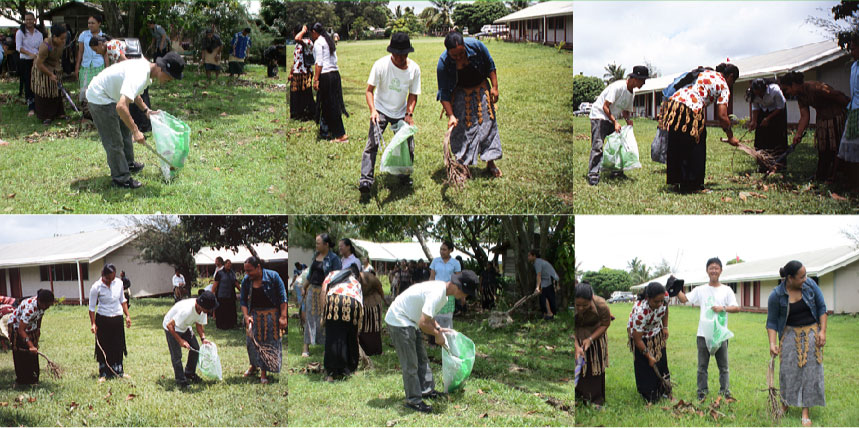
[[109, 95], [25, 329], [648, 337], [392, 94], [414, 310], [614, 101], [177, 328]]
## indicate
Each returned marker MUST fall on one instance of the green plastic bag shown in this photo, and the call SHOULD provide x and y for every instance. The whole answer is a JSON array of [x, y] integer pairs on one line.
[[396, 158], [715, 328], [210, 363], [620, 152], [172, 141], [457, 362]]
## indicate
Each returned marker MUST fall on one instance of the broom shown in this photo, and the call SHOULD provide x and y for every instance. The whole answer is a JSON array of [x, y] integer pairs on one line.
[[53, 368], [457, 173], [762, 157], [774, 401], [266, 353]]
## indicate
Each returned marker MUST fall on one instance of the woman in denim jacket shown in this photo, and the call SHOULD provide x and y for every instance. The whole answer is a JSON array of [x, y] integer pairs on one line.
[[324, 262], [796, 325]]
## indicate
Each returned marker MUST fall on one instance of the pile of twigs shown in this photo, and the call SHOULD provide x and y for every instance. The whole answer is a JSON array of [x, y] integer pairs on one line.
[[761, 156], [774, 401], [667, 385], [267, 354], [457, 173], [53, 368]]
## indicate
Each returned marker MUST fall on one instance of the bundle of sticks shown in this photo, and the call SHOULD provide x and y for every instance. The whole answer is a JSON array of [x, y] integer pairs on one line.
[[457, 173], [266, 353], [774, 401], [53, 368], [761, 156], [665, 380]]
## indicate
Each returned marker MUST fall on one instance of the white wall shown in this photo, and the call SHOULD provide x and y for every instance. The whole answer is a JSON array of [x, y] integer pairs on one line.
[[31, 282], [847, 291], [146, 278]]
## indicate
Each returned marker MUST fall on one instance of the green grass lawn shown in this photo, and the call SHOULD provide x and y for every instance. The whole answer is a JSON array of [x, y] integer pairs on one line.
[[533, 120], [519, 367], [748, 354], [66, 338], [733, 183], [236, 163]]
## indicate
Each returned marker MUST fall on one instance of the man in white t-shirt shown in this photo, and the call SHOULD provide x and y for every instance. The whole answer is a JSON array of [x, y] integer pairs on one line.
[[614, 101], [177, 327], [719, 298], [178, 285], [109, 95], [414, 310], [392, 94]]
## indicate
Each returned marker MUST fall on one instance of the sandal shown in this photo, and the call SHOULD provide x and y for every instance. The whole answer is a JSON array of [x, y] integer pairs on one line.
[[250, 372], [806, 422], [494, 171], [305, 355], [263, 380], [343, 139]]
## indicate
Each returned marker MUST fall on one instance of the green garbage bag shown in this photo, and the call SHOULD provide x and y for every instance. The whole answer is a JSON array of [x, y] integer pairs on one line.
[[172, 141], [715, 328], [620, 151], [210, 363], [396, 158], [457, 360]]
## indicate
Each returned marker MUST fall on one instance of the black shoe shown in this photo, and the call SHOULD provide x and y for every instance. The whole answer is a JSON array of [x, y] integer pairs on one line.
[[183, 385], [193, 378], [405, 180], [135, 166], [420, 407], [128, 184], [548, 318], [364, 188], [432, 394], [593, 181]]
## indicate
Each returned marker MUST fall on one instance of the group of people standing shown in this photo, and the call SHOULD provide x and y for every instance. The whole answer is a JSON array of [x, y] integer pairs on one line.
[[465, 70], [796, 327]]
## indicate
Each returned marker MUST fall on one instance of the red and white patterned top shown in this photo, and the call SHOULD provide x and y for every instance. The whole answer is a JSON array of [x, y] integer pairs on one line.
[[28, 312], [709, 88], [646, 320], [350, 288], [298, 65], [115, 48]]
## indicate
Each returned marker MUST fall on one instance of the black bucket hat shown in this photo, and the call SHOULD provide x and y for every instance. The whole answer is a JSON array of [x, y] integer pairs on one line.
[[207, 301], [640, 72], [466, 281], [674, 286], [400, 44], [172, 64]]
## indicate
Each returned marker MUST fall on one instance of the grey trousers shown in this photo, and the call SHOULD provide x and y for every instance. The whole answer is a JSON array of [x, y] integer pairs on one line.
[[704, 362], [116, 139], [417, 374], [368, 159], [599, 130], [176, 356]]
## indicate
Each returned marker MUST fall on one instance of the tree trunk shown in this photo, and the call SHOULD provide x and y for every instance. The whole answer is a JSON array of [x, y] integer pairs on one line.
[[132, 15], [420, 236], [520, 241], [113, 16]]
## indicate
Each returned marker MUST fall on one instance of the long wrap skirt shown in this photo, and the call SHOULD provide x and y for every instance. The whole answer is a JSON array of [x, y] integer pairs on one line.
[[266, 334], [343, 318], [111, 336], [800, 375], [476, 137]]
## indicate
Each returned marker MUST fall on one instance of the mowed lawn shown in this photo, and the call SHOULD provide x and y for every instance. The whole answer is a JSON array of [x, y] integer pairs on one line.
[[733, 183], [748, 354], [534, 122], [236, 164], [519, 368], [78, 400]]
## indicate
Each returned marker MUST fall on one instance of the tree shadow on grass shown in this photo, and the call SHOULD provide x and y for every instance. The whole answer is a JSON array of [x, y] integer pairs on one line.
[[397, 190]]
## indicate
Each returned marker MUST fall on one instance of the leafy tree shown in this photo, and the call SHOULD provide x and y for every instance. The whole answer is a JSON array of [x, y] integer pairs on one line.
[[518, 5], [853, 235], [15, 9], [282, 16], [232, 232], [374, 13], [663, 268], [734, 261], [638, 271], [475, 15], [613, 73], [844, 22], [440, 16], [163, 239], [607, 281], [586, 89], [407, 22]]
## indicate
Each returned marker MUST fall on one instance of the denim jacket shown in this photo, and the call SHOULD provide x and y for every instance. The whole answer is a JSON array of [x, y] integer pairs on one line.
[[272, 286], [777, 304], [446, 71], [330, 263]]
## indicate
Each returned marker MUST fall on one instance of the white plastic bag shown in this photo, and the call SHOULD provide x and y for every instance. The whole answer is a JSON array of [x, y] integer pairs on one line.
[[715, 328], [620, 152], [396, 158], [210, 363]]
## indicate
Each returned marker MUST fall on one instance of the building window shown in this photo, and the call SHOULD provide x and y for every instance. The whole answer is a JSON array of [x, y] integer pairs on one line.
[[63, 272]]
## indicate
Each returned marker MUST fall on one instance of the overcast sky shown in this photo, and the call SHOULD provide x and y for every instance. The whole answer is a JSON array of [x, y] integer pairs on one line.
[[688, 241], [17, 228], [678, 36]]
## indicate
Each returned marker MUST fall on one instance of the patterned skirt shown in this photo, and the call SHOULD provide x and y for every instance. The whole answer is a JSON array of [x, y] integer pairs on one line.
[[800, 375], [85, 76], [313, 332], [49, 104], [266, 339], [301, 103], [849, 148], [476, 136]]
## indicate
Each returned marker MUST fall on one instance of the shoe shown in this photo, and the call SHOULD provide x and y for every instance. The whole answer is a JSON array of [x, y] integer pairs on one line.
[[405, 180], [251, 371], [364, 188], [548, 318], [46, 122], [593, 181], [101, 379], [420, 407], [702, 397], [806, 422], [305, 355], [263, 380], [135, 166], [31, 113], [432, 394], [183, 385], [193, 378], [130, 184]]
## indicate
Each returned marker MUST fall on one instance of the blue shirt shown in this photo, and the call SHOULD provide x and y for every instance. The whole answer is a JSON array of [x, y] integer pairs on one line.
[[241, 44], [854, 86], [90, 58], [478, 55], [444, 271], [778, 302], [272, 286]]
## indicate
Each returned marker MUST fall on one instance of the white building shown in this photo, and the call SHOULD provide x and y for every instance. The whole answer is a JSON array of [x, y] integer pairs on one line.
[[548, 23], [822, 61], [68, 265], [271, 257], [836, 271]]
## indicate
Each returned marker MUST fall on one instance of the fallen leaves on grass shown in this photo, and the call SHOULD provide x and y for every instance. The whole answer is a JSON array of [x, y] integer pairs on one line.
[[391, 423], [10, 196], [485, 415], [73, 405], [130, 397], [516, 369], [4, 403], [837, 197]]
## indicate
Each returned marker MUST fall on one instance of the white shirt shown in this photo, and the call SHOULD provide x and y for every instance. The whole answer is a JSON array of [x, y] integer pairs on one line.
[[324, 57], [129, 78], [619, 97], [772, 100], [29, 42], [393, 86], [178, 280], [109, 299], [349, 261], [707, 297], [422, 298], [185, 314]]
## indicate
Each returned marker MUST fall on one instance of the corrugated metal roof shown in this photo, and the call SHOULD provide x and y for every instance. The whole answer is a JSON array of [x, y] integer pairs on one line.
[[539, 10], [268, 252], [800, 58], [816, 262], [84, 246]]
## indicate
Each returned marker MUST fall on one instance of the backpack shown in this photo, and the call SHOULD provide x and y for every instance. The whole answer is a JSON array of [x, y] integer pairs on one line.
[[682, 81], [307, 55]]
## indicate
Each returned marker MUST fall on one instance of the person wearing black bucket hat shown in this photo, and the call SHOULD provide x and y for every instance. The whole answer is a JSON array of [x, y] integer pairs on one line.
[[392, 94], [413, 312], [613, 102], [177, 328], [111, 93]]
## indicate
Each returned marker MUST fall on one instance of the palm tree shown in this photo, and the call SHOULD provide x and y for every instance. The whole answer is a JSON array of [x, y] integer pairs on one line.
[[613, 72], [442, 14], [638, 271], [518, 5]]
